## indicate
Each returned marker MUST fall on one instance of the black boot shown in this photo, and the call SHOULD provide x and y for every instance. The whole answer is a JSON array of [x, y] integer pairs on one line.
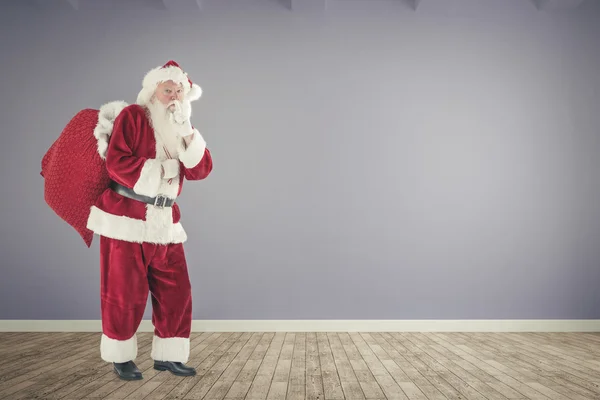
[[176, 368], [127, 371]]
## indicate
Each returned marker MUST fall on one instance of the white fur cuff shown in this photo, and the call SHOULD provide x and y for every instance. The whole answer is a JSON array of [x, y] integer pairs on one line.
[[176, 349], [150, 178], [192, 156], [106, 118], [171, 168], [112, 350]]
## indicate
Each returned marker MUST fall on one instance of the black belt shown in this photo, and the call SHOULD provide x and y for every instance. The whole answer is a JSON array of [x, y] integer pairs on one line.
[[159, 201]]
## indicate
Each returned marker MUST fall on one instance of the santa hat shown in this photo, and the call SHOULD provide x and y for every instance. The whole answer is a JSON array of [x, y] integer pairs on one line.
[[169, 71]]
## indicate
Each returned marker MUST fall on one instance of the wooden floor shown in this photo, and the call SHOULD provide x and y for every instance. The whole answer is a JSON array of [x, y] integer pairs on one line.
[[318, 365]]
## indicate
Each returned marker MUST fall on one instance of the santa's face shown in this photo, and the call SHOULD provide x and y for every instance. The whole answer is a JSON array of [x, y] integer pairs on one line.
[[169, 92]]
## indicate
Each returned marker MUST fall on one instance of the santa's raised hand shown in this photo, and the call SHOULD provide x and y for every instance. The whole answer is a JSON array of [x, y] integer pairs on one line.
[[181, 116]]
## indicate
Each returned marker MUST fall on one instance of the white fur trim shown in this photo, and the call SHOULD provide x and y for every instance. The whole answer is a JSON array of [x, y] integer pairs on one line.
[[149, 180], [160, 227], [171, 166], [158, 75], [191, 156], [171, 73], [169, 189], [175, 349], [157, 228], [144, 96], [112, 350], [106, 119]]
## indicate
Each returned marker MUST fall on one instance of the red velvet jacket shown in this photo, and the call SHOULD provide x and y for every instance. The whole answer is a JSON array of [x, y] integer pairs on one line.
[[134, 157]]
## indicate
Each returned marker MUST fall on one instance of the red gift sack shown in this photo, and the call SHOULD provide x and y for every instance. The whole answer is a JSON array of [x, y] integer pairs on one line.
[[73, 168]]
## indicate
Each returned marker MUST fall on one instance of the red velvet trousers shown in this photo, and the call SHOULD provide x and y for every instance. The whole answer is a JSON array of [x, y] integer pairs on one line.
[[128, 272]]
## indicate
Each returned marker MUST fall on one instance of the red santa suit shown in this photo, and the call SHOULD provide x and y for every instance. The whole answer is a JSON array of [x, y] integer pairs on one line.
[[141, 241]]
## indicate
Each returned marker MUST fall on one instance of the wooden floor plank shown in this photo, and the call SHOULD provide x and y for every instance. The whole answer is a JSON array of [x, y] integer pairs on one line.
[[315, 366]]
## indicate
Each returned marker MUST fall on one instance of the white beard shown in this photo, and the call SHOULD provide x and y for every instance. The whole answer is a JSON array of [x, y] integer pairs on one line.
[[165, 130]]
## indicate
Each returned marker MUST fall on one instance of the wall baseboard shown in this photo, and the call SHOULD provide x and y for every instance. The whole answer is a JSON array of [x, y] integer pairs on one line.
[[502, 325]]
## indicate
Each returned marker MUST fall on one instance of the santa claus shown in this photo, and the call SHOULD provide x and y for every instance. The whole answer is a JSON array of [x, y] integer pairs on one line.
[[149, 149]]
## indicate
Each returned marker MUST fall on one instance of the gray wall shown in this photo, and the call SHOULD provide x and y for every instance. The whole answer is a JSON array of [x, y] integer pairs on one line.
[[370, 163]]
